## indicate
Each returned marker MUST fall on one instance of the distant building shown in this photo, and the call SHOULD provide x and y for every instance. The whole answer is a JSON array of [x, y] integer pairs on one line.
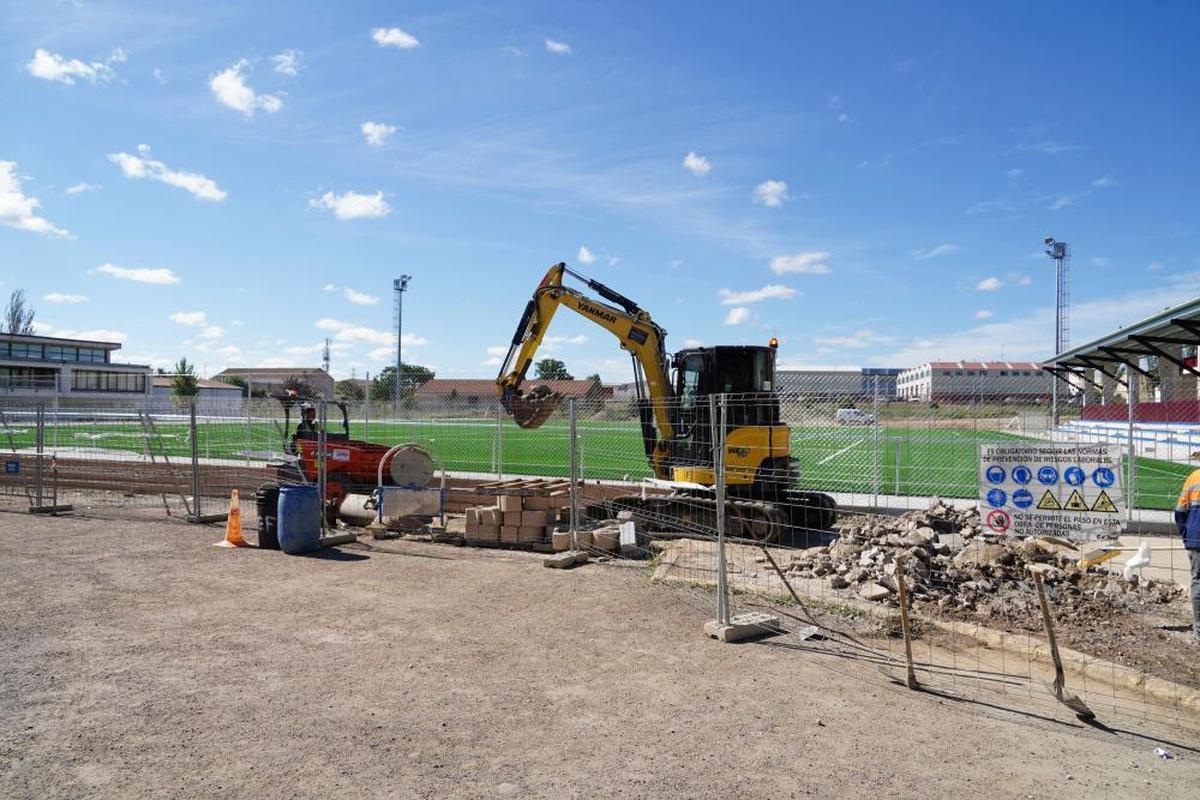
[[212, 397], [966, 381], [273, 379], [47, 365], [482, 391], [837, 383]]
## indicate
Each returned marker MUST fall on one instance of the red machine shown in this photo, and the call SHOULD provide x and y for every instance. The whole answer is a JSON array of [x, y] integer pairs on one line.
[[352, 466]]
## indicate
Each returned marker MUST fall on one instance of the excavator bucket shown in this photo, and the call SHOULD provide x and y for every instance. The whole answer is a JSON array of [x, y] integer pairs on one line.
[[531, 409]]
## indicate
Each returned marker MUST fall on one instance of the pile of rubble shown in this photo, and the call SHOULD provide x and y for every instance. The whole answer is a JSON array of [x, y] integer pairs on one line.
[[947, 563]]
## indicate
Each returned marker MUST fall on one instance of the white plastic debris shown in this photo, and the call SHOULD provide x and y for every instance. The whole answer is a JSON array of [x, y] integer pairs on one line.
[[1163, 754], [1140, 559]]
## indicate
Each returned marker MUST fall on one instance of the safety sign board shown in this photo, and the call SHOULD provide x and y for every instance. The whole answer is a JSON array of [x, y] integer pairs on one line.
[[1051, 489], [12, 467]]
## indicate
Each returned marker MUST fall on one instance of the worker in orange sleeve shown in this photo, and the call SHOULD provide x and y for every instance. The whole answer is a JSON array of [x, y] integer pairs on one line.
[[1187, 519]]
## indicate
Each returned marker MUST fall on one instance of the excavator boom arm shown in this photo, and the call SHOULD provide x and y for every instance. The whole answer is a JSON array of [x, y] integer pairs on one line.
[[634, 329]]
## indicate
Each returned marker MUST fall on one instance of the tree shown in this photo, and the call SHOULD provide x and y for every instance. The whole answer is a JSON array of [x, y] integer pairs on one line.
[[349, 391], [184, 385], [18, 318], [298, 385], [383, 385], [551, 369]]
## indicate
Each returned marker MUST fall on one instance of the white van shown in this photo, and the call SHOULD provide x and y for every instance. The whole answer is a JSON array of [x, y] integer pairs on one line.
[[853, 416]]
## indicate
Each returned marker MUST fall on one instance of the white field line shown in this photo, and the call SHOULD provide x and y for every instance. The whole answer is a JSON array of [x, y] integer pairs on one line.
[[832, 456]]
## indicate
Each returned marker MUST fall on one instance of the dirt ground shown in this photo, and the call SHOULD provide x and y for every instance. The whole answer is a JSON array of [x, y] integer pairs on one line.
[[137, 660]]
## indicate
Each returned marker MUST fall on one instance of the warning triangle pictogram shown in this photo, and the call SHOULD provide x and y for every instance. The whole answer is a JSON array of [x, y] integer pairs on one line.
[[1104, 504], [1049, 502], [1076, 502]]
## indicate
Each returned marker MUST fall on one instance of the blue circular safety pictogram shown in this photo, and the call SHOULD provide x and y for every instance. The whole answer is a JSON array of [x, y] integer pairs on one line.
[[1074, 476], [997, 498], [1022, 475], [1047, 476], [1022, 498], [1103, 477], [995, 474]]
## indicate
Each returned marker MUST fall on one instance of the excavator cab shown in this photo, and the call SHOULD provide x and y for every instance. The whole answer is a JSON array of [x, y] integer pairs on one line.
[[745, 374]]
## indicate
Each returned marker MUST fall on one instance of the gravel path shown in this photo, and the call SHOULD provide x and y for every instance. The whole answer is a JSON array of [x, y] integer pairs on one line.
[[138, 661]]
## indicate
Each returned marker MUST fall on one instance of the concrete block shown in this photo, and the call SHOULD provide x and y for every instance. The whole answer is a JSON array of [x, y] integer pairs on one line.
[[472, 517], [534, 519], [530, 535], [485, 533], [508, 534], [509, 502], [741, 627], [561, 540], [511, 519], [607, 539], [535, 502], [564, 560], [489, 516]]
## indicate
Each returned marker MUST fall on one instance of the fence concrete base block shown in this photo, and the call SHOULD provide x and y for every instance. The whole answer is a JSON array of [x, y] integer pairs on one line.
[[205, 519], [63, 509], [743, 626], [564, 560]]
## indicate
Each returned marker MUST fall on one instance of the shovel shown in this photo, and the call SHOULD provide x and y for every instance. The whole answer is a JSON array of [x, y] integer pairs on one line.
[[531, 409]]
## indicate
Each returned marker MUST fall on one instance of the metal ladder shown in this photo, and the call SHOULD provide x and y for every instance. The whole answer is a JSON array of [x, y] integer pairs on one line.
[[150, 434]]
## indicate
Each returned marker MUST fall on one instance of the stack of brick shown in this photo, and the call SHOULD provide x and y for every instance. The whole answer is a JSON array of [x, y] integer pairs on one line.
[[515, 519]]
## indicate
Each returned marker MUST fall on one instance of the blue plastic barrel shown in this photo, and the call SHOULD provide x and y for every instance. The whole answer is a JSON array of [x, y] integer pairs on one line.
[[299, 519]]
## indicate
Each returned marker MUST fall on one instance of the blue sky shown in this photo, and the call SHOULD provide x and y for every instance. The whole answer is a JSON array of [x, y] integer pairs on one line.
[[870, 182]]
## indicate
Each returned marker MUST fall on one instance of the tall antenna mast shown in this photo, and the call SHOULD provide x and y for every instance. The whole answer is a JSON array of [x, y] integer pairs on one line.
[[1060, 252], [325, 356]]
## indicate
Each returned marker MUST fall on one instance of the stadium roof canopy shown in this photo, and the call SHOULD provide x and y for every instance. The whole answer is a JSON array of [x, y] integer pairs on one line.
[[1159, 335]]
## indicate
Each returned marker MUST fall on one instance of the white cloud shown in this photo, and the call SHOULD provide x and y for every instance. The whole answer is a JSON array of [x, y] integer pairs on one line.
[[697, 163], [95, 335], [558, 48], [287, 62], [1014, 173], [989, 284], [813, 263], [771, 291], [935, 251], [1154, 266], [737, 315], [1062, 201], [578, 338], [864, 337], [498, 350], [376, 133], [53, 67], [230, 89], [159, 75], [189, 317], [330, 287], [585, 256], [1048, 148], [161, 277], [692, 343], [80, 188], [360, 298], [495, 356], [350, 332], [1019, 279], [141, 167], [771, 193], [352, 205], [843, 118], [212, 332], [61, 297], [983, 313], [1100, 262], [17, 209], [394, 37], [1104, 182], [1032, 336]]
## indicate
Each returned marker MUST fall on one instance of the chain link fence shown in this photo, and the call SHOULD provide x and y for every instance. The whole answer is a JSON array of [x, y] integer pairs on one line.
[[904, 476]]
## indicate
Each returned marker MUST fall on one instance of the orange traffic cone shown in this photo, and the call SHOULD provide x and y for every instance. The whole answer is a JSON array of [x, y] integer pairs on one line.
[[233, 524]]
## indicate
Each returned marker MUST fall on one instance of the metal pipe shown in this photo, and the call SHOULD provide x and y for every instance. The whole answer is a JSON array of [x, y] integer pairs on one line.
[[195, 460], [322, 417], [1131, 459], [574, 474], [717, 409]]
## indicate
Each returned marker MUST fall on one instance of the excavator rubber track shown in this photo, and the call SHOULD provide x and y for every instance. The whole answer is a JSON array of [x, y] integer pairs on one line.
[[798, 519]]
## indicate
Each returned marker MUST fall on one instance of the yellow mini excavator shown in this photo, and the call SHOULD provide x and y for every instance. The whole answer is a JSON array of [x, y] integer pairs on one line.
[[676, 417]]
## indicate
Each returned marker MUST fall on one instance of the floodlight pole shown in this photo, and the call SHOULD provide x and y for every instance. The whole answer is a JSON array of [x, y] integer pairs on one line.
[[1059, 252], [399, 286]]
